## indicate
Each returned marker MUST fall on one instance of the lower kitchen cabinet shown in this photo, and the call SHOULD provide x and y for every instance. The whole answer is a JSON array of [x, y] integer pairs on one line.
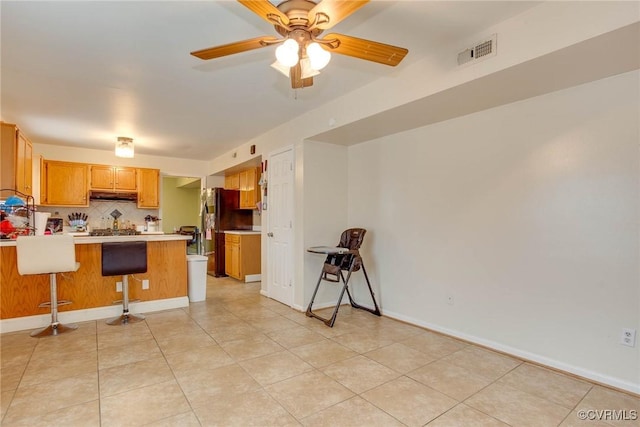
[[242, 255]]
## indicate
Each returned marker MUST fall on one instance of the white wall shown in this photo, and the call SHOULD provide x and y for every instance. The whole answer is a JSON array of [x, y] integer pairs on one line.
[[526, 214], [324, 213], [546, 28]]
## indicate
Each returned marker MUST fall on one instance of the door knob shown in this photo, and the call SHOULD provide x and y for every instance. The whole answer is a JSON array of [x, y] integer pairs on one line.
[[270, 234]]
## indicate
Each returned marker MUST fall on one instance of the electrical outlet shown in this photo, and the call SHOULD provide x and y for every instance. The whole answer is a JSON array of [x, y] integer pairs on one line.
[[450, 299], [145, 283], [118, 286], [628, 337]]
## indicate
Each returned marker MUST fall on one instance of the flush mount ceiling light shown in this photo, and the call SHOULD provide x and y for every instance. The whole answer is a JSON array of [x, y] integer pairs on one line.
[[300, 23], [124, 147]]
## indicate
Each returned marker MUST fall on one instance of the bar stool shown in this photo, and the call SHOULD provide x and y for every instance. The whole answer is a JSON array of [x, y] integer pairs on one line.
[[48, 255], [122, 259]]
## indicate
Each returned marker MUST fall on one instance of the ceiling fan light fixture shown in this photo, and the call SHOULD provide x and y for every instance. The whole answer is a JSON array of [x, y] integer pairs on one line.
[[287, 53], [306, 70], [124, 147], [281, 68], [318, 57]]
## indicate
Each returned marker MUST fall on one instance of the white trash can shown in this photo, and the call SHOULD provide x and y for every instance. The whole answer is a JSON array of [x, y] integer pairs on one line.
[[197, 277]]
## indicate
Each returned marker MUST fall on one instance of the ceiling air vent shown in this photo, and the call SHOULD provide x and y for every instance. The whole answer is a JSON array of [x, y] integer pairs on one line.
[[481, 50]]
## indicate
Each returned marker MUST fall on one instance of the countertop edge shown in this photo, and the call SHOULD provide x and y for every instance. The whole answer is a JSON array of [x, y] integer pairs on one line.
[[83, 240], [242, 232]]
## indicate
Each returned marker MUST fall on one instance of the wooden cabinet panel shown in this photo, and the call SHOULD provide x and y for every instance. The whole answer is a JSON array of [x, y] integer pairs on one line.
[[64, 183], [249, 189], [16, 160], [148, 188], [126, 179], [116, 178], [232, 181], [247, 182], [87, 288], [242, 255]]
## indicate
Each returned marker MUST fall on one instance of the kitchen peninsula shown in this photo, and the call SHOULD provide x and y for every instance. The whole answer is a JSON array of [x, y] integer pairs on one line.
[[93, 295]]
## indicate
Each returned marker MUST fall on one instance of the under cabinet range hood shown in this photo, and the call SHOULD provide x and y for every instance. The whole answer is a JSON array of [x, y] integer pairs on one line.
[[113, 195]]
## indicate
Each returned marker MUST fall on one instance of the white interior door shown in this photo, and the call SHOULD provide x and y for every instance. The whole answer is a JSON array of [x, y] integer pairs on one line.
[[280, 223]]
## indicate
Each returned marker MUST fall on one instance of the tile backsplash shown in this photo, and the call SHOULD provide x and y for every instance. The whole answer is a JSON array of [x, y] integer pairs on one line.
[[98, 210]]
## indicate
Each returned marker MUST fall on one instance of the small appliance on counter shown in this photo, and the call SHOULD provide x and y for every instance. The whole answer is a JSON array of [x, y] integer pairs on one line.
[[55, 225], [152, 223]]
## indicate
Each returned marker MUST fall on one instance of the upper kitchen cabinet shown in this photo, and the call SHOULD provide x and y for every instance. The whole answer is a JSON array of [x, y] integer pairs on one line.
[[113, 178], [64, 183], [16, 159], [249, 188], [148, 188], [232, 181]]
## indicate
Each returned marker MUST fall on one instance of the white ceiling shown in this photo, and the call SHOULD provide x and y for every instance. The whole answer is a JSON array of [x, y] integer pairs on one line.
[[81, 73]]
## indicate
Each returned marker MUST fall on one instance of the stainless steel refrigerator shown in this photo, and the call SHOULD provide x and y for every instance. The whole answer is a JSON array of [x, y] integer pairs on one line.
[[220, 212]]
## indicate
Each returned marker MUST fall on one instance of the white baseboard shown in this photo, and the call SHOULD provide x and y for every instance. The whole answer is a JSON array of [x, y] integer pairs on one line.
[[252, 278], [42, 320], [545, 361]]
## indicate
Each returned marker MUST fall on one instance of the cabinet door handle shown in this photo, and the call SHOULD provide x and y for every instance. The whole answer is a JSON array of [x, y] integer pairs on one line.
[[270, 234]]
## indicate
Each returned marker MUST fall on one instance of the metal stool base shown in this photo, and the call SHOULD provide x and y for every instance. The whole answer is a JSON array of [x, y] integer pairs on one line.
[[125, 319], [54, 329]]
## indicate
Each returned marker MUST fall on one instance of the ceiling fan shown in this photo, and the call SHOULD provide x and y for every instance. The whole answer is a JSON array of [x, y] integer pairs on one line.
[[301, 53]]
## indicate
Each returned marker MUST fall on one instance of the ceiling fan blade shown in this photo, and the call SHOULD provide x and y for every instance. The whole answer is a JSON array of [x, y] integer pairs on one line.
[[231, 48], [366, 49], [297, 82], [329, 12], [266, 11]]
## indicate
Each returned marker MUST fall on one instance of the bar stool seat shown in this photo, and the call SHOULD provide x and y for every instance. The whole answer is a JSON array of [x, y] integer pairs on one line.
[[123, 259], [48, 255]]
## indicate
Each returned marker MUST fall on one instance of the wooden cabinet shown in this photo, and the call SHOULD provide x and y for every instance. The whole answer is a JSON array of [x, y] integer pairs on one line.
[[113, 178], [148, 188], [249, 189], [16, 159], [64, 183], [87, 287], [247, 182], [242, 255], [232, 181], [232, 255]]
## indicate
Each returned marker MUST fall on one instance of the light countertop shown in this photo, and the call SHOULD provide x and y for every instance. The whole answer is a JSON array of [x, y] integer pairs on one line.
[[242, 232], [83, 240]]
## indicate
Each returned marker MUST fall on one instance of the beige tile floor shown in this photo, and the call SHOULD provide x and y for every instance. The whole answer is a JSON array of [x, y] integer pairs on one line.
[[240, 359]]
